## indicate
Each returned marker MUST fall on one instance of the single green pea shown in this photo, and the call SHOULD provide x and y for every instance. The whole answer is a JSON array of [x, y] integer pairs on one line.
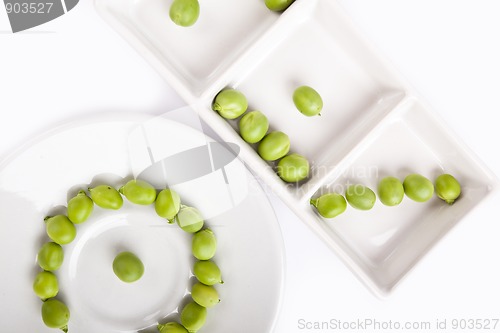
[[274, 146], [418, 188], [278, 5], [448, 188], [308, 101], [139, 192], [330, 205], [171, 327], [128, 267], [293, 168], [60, 229], [230, 103], [204, 295], [390, 191], [45, 285], [189, 219], [207, 272], [253, 126], [184, 12], [193, 316], [168, 204], [204, 244], [80, 207], [55, 314], [50, 257], [106, 197], [360, 197]]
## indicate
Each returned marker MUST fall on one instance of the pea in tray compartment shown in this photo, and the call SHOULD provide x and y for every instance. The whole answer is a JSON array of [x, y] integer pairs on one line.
[[386, 242], [358, 89], [370, 116], [194, 58]]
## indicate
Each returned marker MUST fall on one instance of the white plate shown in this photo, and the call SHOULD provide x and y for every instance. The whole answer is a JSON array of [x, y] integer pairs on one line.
[[40, 178], [314, 43]]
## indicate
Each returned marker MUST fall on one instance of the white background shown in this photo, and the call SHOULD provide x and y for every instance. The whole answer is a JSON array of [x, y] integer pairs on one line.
[[448, 49]]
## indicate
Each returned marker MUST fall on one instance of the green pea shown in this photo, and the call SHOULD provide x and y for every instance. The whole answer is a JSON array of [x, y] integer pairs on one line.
[[253, 126], [106, 197], [189, 219], [55, 314], [193, 316], [60, 229], [50, 257], [128, 267], [278, 5], [274, 146], [207, 272], [293, 168], [172, 327], [184, 12], [330, 205], [230, 103], [80, 207], [204, 295], [139, 192], [308, 101], [448, 188], [168, 204], [204, 244], [360, 197], [418, 188], [390, 191], [45, 285]]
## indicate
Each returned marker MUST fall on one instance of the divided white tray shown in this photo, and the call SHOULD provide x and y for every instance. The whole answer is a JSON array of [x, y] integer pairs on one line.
[[372, 125]]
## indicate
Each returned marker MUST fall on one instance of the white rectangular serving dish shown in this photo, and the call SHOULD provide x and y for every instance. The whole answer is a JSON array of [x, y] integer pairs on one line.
[[372, 125]]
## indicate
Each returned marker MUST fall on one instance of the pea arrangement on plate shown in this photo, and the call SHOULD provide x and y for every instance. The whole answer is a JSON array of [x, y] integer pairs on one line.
[[127, 266]]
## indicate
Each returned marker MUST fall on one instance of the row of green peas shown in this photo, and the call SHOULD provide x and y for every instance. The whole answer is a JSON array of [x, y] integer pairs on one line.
[[61, 230], [391, 192], [254, 126]]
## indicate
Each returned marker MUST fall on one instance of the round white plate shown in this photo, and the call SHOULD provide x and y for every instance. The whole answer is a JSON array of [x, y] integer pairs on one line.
[[38, 180]]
